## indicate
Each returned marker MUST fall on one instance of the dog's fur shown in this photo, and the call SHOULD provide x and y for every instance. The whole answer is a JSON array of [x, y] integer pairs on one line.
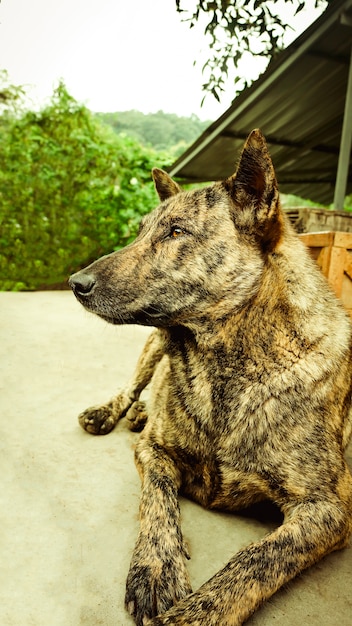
[[251, 389]]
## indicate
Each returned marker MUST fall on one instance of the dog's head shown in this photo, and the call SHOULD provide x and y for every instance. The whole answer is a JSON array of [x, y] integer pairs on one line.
[[199, 255]]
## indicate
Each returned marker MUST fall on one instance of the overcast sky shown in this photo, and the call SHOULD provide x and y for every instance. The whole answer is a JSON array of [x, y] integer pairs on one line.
[[113, 55]]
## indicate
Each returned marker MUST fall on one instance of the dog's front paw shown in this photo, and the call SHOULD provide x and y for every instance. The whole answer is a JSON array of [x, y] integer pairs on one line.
[[137, 416], [153, 587], [98, 420], [211, 605], [192, 610]]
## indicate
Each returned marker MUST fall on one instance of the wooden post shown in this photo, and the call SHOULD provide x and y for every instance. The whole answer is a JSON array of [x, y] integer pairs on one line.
[[345, 145]]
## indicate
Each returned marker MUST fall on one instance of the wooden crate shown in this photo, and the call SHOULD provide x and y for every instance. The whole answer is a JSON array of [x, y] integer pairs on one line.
[[333, 253]]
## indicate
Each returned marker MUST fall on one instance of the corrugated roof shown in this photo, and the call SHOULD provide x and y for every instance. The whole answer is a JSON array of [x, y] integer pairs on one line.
[[298, 103]]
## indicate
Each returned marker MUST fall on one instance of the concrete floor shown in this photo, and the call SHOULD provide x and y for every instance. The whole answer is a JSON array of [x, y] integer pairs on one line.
[[69, 501]]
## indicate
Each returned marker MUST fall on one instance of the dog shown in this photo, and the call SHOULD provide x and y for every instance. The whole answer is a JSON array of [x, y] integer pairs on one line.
[[250, 369]]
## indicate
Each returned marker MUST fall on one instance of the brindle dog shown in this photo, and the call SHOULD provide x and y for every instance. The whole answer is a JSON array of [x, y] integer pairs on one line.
[[251, 389]]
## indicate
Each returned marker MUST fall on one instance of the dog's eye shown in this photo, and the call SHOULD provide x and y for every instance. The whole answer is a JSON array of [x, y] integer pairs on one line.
[[176, 231]]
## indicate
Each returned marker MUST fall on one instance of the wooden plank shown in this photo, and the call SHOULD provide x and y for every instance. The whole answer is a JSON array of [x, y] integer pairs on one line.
[[348, 266], [323, 260], [318, 240], [343, 240], [331, 252], [336, 269]]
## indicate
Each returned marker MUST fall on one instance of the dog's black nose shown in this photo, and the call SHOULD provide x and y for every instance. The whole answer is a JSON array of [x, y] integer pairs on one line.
[[82, 283]]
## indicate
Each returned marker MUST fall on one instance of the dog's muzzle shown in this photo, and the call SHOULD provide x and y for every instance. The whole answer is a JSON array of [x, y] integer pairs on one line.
[[82, 284]]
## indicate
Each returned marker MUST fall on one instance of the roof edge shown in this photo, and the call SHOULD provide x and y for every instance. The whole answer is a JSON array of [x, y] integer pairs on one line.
[[276, 67]]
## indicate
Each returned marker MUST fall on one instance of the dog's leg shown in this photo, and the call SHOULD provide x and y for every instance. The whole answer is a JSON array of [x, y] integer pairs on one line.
[[158, 577], [102, 419], [312, 530]]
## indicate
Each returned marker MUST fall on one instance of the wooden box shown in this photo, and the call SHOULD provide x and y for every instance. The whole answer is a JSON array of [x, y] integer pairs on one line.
[[333, 253]]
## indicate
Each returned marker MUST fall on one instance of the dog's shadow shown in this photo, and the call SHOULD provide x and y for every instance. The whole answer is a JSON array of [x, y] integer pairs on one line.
[[214, 536], [265, 512]]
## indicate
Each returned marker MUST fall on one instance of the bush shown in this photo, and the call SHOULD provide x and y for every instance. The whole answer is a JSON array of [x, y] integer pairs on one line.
[[70, 191]]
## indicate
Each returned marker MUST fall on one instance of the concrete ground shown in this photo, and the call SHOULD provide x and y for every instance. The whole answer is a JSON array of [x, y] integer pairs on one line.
[[69, 501]]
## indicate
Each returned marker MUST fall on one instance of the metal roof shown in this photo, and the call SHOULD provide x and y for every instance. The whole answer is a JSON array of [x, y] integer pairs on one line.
[[298, 103]]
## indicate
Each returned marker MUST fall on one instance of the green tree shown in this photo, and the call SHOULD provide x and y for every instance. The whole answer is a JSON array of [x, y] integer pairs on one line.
[[237, 27], [70, 190]]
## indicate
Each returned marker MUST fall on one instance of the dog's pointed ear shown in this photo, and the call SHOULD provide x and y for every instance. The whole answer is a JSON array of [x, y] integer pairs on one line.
[[165, 186], [254, 193]]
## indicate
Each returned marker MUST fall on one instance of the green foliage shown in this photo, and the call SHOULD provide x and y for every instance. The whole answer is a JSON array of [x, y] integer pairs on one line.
[[238, 27], [348, 203], [11, 96], [290, 201], [70, 190], [162, 131]]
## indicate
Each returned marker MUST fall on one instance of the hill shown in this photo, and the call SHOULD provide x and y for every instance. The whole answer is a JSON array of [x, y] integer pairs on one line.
[[162, 131]]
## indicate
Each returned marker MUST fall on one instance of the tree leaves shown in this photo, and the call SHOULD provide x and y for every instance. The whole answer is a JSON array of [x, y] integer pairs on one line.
[[236, 28]]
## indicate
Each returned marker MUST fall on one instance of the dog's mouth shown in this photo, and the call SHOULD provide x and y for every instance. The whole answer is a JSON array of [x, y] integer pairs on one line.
[[143, 317], [138, 317], [110, 308]]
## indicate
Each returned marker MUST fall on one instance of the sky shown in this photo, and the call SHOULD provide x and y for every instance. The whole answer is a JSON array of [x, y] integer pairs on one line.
[[113, 55]]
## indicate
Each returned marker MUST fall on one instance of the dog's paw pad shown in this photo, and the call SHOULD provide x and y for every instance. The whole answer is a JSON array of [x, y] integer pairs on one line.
[[97, 420]]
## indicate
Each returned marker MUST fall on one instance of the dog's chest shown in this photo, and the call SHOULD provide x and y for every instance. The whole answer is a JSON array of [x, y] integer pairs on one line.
[[206, 433], [193, 390], [204, 385], [195, 384], [220, 416]]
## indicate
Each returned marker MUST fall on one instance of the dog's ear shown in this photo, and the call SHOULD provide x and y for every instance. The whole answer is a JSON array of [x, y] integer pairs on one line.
[[255, 195], [165, 186]]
